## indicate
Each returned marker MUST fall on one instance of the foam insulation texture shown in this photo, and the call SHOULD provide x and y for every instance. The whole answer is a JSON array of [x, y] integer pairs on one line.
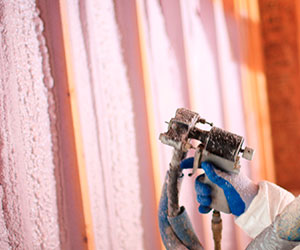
[[29, 151], [109, 136], [110, 95], [28, 209]]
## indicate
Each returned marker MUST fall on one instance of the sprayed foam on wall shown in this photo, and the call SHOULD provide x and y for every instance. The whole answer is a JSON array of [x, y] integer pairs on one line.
[[29, 210], [110, 92], [106, 114]]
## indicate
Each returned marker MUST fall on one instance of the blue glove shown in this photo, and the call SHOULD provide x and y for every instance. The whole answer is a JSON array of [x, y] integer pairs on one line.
[[238, 189]]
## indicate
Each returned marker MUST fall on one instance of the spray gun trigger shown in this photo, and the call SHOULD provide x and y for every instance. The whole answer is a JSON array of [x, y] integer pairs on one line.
[[197, 158]]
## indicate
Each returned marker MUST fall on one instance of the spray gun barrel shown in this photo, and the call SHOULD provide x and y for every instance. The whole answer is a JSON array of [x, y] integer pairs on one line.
[[218, 146]]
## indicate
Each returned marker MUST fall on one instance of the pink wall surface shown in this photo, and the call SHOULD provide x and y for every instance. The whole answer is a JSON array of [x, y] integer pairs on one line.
[[106, 113], [29, 214], [191, 63]]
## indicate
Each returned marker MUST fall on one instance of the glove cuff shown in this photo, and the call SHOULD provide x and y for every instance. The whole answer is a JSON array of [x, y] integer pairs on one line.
[[246, 188]]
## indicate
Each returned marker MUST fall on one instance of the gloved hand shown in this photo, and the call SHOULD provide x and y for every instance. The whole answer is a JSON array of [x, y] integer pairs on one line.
[[238, 189]]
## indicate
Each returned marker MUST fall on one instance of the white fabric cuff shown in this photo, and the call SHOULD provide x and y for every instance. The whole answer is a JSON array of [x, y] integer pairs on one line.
[[270, 201]]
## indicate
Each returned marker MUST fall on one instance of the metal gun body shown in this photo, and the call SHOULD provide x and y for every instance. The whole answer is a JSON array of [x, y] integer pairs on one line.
[[216, 145]]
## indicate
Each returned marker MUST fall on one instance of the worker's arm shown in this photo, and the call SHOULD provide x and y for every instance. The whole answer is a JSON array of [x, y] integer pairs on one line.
[[266, 205], [283, 233], [255, 206]]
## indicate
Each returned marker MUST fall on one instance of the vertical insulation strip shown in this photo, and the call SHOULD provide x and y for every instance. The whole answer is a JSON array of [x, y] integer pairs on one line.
[[186, 60], [190, 82], [149, 104], [254, 87], [77, 130], [149, 100]]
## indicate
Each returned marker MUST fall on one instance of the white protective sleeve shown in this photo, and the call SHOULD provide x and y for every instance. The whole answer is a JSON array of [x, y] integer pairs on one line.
[[269, 202]]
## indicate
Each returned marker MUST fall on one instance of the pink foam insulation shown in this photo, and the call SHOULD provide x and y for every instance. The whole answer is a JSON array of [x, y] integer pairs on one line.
[[107, 126], [190, 63], [28, 209], [167, 76]]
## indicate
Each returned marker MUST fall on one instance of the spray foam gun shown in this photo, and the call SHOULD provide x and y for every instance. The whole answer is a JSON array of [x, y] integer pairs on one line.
[[217, 146]]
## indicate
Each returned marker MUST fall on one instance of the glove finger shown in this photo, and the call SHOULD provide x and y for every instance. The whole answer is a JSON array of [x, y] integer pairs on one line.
[[204, 209], [234, 200], [187, 163], [204, 200], [202, 188]]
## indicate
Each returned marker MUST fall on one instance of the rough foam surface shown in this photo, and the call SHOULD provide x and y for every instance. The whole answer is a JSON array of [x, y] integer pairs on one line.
[[106, 113], [28, 211], [28, 205], [28, 136]]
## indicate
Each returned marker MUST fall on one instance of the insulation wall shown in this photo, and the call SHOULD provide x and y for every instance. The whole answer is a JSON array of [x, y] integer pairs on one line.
[[106, 115], [29, 214], [128, 65]]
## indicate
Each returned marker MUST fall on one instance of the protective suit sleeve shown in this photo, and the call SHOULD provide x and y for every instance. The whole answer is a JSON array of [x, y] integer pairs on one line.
[[269, 202]]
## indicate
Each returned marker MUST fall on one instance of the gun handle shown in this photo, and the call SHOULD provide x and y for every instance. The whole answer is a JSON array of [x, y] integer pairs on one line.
[[219, 201]]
